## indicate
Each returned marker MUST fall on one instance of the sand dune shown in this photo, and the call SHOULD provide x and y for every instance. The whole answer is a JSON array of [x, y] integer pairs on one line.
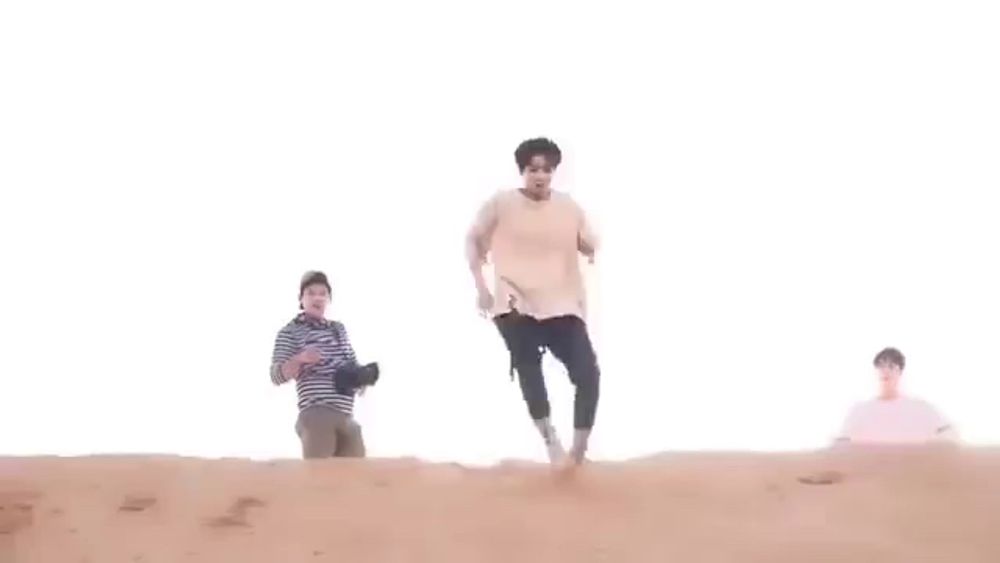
[[855, 506]]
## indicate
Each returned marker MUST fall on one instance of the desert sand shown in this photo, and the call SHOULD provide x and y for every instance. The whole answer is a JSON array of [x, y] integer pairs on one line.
[[896, 505]]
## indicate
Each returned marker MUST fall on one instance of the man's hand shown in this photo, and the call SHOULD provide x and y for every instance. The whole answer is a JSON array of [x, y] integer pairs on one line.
[[292, 368], [484, 301], [307, 356]]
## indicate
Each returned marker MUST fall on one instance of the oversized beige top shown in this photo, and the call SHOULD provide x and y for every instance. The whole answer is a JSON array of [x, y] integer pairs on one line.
[[535, 248]]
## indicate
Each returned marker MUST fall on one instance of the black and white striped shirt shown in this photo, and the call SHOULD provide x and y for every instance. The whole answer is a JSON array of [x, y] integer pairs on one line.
[[315, 383]]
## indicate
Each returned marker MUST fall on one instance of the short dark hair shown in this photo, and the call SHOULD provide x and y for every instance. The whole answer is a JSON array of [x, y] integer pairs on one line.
[[313, 277], [890, 356], [537, 147]]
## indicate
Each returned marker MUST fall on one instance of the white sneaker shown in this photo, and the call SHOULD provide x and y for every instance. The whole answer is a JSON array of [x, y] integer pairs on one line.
[[578, 453], [555, 450]]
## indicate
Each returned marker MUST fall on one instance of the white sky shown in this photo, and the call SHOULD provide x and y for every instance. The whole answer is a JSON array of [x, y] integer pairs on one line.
[[783, 189]]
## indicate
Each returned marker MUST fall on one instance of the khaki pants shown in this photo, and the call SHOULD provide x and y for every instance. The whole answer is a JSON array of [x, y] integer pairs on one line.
[[327, 432]]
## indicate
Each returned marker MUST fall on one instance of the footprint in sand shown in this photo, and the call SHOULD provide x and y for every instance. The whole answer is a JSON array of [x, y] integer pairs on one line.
[[776, 490], [136, 503], [236, 515], [17, 510], [822, 478]]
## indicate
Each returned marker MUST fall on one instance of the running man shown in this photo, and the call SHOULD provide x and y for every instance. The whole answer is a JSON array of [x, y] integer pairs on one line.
[[892, 418], [317, 354], [535, 236]]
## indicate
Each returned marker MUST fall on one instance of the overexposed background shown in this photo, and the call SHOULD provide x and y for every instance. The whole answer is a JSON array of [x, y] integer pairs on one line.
[[783, 188]]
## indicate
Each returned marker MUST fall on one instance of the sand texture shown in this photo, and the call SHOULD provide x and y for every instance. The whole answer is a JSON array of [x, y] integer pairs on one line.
[[879, 506]]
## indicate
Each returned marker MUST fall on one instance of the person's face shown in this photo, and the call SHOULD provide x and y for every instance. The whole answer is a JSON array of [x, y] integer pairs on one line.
[[888, 376], [538, 176], [314, 300]]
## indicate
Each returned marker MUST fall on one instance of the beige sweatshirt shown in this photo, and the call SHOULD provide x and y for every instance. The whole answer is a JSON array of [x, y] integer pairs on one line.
[[535, 248]]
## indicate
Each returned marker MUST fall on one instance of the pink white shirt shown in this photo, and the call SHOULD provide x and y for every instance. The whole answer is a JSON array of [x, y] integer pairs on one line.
[[902, 420], [535, 247]]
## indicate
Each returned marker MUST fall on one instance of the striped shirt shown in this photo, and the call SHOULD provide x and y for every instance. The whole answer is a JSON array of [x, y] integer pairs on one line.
[[315, 382]]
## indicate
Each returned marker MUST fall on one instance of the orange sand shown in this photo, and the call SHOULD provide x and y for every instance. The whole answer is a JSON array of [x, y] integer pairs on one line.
[[862, 506]]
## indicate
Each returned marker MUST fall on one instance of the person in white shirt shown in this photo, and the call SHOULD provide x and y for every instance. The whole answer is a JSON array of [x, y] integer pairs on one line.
[[892, 418]]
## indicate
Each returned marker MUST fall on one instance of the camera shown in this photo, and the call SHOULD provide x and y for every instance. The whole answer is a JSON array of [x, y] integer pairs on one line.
[[350, 377]]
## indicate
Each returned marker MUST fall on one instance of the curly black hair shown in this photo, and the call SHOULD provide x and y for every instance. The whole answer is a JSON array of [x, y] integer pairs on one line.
[[537, 147], [890, 356]]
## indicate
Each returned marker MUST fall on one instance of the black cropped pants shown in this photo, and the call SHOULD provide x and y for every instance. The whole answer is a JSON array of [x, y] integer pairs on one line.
[[567, 338]]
